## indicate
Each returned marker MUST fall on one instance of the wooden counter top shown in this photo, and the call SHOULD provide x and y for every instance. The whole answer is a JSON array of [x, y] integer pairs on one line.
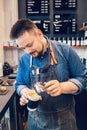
[[6, 99]]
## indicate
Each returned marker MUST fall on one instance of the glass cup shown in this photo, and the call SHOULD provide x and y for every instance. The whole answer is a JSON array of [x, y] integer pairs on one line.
[[33, 101], [39, 87]]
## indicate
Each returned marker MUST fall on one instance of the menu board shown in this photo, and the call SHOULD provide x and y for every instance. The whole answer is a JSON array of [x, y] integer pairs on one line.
[[65, 4], [61, 20], [65, 24], [46, 26], [43, 25], [37, 7]]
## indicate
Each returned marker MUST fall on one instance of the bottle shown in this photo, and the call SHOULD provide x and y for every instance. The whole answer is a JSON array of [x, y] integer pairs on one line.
[[59, 40], [77, 41], [85, 41], [73, 41], [68, 41], [82, 41], [64, 40]]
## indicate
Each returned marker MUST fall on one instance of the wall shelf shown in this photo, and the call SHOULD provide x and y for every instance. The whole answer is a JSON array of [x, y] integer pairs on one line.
[[10, 47], [83, 47]]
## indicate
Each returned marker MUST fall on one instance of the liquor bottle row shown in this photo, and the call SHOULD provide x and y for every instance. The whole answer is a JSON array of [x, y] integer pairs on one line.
[[10, 44], [72, 41]]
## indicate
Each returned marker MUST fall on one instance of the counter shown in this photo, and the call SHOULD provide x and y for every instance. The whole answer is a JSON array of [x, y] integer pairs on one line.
[[5, 100], [9, 101]]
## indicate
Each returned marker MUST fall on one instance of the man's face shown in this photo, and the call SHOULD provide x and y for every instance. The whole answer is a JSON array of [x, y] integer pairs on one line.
[[31, 43]]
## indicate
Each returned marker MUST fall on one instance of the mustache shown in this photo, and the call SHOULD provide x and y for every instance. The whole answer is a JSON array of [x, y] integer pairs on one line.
[[33, 51]]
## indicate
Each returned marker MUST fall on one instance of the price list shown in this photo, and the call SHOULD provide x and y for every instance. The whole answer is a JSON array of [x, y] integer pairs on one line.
[[46, 26], [37, 7], [65, 24], [43, 25], [65, 4]]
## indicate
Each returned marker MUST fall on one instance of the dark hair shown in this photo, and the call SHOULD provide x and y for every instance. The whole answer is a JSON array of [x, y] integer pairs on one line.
[[20, 27]]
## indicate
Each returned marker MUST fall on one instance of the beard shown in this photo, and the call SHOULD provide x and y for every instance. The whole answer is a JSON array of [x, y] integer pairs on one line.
[[36, 53], [41, 53]]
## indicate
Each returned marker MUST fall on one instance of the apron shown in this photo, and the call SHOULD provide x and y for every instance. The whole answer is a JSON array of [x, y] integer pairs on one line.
[[53, 113]]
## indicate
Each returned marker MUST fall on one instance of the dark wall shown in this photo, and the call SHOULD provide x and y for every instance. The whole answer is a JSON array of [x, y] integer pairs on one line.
[[81, 12], [22, 8]]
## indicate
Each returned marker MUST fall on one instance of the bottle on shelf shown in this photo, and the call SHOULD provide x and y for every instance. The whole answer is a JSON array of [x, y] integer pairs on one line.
[[59, 39], [68, 41], [73, 41], [85, 41], [64, 40], [77, 41], [82, 41]]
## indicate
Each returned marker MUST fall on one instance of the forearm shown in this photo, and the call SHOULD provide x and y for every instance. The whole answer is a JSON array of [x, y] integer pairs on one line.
[[19, 88], [68, 87], [56, 88]]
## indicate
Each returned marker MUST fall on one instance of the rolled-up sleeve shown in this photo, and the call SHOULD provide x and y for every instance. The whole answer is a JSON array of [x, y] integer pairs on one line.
[[22, 76], [78, 72], [19, 84], [78, 84], [19, 88]]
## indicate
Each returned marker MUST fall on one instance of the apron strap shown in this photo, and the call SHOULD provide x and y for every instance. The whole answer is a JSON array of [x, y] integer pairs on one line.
[[30, 61], [53, 58]]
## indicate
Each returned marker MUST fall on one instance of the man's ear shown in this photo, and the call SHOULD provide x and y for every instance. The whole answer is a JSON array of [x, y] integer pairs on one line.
[[39, 32]]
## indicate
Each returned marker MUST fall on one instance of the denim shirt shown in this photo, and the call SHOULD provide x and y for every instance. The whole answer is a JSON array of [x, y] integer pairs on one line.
[[69, 67]]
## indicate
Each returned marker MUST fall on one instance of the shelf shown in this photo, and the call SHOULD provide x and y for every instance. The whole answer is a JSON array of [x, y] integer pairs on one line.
[[83, 47], [9, 47], [12, 47]]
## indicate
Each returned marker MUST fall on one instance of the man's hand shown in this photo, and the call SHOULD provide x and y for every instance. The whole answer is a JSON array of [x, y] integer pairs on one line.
[[53, 88], [56, 88], [24, 99], [24, 96]]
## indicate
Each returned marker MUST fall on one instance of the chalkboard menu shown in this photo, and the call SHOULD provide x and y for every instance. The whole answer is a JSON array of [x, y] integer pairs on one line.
[[44, 25], [65, 4], [53, 17], [37, 7], [65, 24]]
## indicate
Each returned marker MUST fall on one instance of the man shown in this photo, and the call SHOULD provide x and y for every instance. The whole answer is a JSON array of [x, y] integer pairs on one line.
[[59, 68]]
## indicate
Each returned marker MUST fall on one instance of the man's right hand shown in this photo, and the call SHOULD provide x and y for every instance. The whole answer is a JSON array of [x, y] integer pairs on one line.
[[24, 99], [24, 96]]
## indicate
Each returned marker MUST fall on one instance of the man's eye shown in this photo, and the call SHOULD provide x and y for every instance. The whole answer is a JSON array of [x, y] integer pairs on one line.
[[28, 45], [22, 48]]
